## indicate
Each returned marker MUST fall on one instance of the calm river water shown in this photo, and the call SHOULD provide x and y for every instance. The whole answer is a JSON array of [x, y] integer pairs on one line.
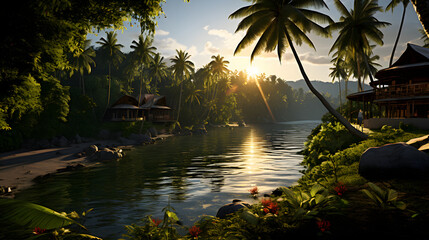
[[197, 174]]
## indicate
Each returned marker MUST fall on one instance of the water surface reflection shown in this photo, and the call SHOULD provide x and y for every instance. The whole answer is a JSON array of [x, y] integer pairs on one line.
[[197, 173]]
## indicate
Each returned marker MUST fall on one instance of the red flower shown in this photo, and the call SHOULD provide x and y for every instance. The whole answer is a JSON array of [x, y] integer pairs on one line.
[[270, 206], [323, 225], [265, 202], [156, 222], [254, 190], [38, 230], [340, 189], [194, 231]]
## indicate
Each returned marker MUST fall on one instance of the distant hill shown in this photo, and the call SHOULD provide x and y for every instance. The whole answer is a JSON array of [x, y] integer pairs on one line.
[[327, 87]]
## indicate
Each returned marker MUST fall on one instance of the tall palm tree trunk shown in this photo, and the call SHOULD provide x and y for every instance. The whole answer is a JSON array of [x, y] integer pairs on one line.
[[108, 93], [141, 86], [83, 84], [422, 9], [180, 101], [397, 37], [339, 88], [325, 103]]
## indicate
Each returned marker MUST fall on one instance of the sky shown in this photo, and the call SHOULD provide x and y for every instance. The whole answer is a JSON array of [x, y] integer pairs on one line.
[[203, 29]]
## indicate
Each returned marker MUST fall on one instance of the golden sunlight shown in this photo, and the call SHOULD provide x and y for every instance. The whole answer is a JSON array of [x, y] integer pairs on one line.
[[252, 71]]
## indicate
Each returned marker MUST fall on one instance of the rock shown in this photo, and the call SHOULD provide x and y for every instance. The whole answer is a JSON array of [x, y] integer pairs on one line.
[[77, 139], [199, 130], [394, 160], [241, 123], [106, 155], [140, 138], [43, 143], [104, 134], [90, 150], [418, 142], [126, 141], [231, 208], [70, 168], [153, 132], [60, 141]]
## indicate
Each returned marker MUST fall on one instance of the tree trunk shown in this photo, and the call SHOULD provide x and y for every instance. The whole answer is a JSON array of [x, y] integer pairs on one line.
[[180, 101], [339, 86], [108, 93], [325, 103], [397, 37], [422, 9], [141, 85], [83, 84]]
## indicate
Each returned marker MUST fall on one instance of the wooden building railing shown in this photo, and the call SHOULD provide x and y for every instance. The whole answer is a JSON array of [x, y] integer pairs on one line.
[[402, 90]]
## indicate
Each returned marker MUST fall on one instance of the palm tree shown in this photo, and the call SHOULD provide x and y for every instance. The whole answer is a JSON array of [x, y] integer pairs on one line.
[[391, 6], [112, 50], [218, 68], [281, 23], [360, 25], [182, 69], [422, 9], [158, 69], [339, 72], [143, 55], [82, 60]]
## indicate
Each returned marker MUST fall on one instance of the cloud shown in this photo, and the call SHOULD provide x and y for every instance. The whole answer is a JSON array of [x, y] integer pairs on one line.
[[161, 32], [209, 49], [206, 27], [168, 46], [315, 59], [222, 33]]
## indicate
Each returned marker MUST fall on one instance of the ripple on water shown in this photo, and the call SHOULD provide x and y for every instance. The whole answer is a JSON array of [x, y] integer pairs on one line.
[[196, 174]]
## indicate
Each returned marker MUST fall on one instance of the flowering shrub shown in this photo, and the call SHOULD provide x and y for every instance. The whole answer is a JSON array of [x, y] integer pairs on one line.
[[270, 206], [254, 191], [340, 189], [323, 225], [38, 231], [194, 231]]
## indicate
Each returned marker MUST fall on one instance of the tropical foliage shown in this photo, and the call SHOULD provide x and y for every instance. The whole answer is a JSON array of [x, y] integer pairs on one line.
[[279, 24]]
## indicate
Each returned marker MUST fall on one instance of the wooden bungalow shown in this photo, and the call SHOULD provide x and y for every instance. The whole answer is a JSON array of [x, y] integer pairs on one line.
[[152, 108], [401, 91], [156, 109], [125, 108]]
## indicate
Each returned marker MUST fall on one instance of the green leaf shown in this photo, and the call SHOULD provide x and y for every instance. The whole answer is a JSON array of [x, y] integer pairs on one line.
[[172, 216], [250, 217], [401, 205], [33, 215], [316, 189]]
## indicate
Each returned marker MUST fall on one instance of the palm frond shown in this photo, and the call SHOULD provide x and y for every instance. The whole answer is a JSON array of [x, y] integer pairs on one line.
[[33, 215]]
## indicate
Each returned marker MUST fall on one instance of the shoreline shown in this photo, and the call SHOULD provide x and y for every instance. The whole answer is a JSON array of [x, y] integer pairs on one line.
[[20, 168]]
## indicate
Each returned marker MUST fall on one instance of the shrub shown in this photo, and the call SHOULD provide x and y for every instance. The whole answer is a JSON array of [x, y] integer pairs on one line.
[[331, 138]]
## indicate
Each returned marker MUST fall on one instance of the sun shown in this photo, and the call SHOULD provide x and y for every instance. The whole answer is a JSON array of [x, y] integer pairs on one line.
[[252, 71]]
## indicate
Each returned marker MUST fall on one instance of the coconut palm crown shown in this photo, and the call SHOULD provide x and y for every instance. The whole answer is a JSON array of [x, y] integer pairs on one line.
[[279, 24]]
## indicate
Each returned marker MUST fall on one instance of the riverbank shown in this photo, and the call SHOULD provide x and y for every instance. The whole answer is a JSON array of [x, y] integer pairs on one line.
[[19, 169]]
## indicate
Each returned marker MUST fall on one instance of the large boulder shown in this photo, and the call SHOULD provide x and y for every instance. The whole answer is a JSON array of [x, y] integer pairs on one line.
[[392, 161], [231, 208], [140, 138], [90, 150], [153, 132], [106, 155]]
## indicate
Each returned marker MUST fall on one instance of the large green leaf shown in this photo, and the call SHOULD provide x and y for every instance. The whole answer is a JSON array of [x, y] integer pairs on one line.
[[32, 215]]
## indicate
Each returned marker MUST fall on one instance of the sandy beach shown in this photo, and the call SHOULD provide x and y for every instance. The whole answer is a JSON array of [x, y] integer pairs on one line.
[[19, 168]]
